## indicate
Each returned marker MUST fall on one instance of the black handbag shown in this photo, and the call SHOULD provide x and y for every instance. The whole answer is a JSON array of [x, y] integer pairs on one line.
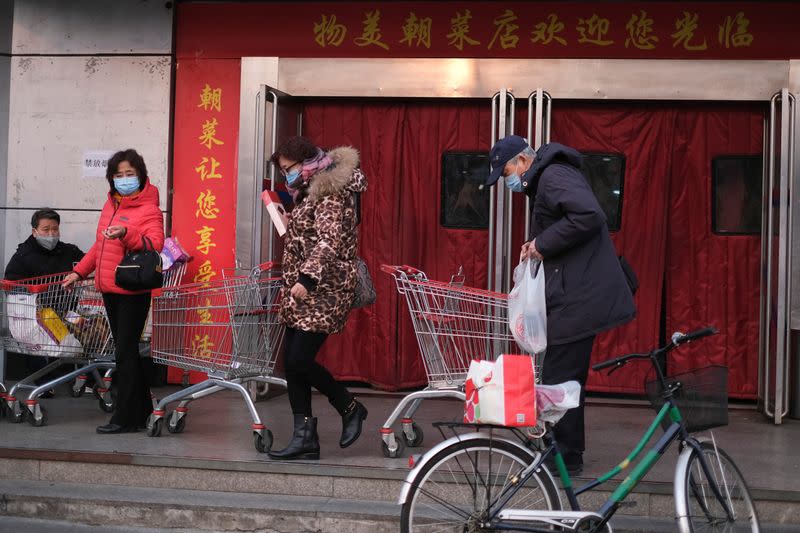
[[140, 270]]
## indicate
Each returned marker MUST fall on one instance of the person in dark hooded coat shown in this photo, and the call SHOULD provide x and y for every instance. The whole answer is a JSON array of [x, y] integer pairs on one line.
[[586, 290]]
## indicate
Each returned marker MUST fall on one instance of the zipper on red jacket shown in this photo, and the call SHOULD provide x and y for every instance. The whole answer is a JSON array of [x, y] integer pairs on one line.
[[103, 246]]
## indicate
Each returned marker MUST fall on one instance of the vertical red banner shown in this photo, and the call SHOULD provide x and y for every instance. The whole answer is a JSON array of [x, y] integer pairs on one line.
[[204, 176]]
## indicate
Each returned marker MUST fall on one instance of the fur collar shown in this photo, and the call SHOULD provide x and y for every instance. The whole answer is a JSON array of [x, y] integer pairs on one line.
[[336, 177]]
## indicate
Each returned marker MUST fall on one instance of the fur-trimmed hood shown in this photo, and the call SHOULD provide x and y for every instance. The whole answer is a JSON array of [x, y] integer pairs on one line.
[[342, 174]]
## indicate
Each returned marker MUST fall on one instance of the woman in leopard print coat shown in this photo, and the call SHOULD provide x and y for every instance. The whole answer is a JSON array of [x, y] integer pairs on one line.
[[319, 280]]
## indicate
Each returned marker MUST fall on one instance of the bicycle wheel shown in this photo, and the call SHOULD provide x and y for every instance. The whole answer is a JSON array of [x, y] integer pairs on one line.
[[699, 509], [455, 489]]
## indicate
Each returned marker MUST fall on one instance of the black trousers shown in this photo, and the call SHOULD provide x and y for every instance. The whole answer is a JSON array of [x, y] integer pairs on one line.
[[300, 350], [127, 315], [565, 362]]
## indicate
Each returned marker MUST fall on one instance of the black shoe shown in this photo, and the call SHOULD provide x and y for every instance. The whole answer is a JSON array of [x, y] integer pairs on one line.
[[572, 460], [304, 443], [351, 423], [115, 428]]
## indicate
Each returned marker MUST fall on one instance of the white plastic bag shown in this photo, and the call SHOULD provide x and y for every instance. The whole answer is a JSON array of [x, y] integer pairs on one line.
[[527, 309], [23, 324], [553, 401]]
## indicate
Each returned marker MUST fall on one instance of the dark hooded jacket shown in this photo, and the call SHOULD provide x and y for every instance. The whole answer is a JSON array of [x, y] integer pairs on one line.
[[31, 260], [586, 290]]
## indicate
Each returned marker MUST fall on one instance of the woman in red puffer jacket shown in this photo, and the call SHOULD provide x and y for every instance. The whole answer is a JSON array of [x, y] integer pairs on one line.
[[130, 216]]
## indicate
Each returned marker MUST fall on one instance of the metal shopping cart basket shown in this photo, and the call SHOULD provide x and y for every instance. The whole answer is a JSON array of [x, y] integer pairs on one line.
[[172, 278], [453, 325], [102, 389], [226, 328], [41, 319]]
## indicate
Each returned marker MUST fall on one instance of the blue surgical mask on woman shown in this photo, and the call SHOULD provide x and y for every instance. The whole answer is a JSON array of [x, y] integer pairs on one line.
[[292, 177], [126, 185], [513, 182]]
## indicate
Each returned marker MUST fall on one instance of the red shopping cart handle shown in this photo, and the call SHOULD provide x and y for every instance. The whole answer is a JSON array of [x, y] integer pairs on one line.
[[409, 270], [255, 312], [269, 265], [8, 285]]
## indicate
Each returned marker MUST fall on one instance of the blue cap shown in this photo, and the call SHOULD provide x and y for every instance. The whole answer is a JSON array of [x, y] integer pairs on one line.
[[502, 152]]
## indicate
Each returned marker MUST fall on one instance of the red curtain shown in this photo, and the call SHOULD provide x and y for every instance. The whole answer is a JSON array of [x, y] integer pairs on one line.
[[713, 279], [643, 134], [665, 231]]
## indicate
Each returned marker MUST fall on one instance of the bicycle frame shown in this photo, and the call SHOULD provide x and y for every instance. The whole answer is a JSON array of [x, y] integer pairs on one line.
[[675, 431]]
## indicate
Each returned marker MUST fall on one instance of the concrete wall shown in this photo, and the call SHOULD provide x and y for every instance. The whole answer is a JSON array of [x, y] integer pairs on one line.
[[83, 75], [76, 76], [6, 19]]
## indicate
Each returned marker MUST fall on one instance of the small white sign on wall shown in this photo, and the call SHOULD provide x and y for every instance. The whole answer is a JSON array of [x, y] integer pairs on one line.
[[95, 163]]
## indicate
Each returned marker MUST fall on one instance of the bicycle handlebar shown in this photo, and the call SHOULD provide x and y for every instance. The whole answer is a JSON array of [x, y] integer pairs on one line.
[[682, 338], [617, 361], [678, 339]]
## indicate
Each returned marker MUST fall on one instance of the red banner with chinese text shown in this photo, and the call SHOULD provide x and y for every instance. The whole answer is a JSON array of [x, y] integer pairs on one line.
[[639, 30], [204, 177]]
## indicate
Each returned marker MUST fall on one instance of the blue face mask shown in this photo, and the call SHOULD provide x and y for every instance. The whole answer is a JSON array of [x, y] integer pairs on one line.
[[513, 182], [292, 177], [126, 185]]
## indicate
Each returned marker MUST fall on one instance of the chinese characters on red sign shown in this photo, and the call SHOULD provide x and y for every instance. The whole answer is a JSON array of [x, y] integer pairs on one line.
[[509, 29], [204, 201], [473, 29]]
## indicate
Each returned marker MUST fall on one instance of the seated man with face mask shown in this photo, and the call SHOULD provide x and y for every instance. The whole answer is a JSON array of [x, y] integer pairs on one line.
[[43, 253]]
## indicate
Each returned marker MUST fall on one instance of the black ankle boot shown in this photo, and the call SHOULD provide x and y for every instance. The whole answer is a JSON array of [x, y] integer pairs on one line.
[[304, 443], [352, 418]]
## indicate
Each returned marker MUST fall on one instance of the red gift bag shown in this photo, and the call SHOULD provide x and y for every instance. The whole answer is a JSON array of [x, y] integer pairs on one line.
[[501, 392]]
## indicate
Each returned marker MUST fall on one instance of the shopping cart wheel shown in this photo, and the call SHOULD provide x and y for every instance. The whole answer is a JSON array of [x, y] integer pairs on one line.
[[179, 426], [39, 421], [107, 407], [416, 440], [393, 453], [263, 443], [16, 413], [154, 428], [75, 392]]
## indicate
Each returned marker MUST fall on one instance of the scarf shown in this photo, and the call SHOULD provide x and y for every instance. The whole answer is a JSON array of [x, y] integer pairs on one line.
[[310, 166]]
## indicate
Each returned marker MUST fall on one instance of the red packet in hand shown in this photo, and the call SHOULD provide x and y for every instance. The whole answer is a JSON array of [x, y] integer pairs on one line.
[[276, 211]]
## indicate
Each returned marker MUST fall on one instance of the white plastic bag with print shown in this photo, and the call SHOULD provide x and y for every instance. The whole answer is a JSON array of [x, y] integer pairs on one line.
[[553, 401], [527, 309], [22, 316]]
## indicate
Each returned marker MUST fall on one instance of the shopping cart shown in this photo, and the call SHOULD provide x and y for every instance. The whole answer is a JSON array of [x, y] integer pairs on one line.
[[102, 390], [454, 325], [227, 328], [41, 319], [172, 278]]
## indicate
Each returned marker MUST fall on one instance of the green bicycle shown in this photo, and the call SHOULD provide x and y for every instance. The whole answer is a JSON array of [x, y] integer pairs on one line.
[[486, 480]]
